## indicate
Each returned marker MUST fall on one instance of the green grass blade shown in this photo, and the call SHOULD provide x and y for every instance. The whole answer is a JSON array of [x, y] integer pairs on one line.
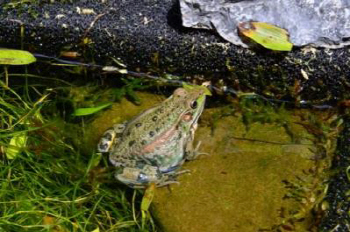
[[90, 110]]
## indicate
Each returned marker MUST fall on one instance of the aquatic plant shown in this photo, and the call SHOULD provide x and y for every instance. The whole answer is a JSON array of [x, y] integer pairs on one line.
[[14, 57]]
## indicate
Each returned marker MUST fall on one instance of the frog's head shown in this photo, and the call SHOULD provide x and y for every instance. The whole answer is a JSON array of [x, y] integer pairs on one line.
[[193, 101]]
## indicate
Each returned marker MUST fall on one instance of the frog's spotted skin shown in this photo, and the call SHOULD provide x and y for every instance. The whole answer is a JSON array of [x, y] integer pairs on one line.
[[152, 146], [111, 137]]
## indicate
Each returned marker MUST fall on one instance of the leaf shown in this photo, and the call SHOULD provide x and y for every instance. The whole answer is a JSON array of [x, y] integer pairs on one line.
[[16, 57], [91, 110], [148, 197], [96, 230], [132, 95], [118, 62], [48, 220], [94, 161], [17, 143], [114, 69], [146, 201], [267, 35], [192, 87], [52, 223]]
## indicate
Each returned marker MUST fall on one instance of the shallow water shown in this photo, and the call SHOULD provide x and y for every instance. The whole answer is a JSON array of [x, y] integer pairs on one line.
[[245, 182]]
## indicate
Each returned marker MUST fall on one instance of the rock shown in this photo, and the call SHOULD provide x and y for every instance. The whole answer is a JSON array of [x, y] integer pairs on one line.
[[239, 186], [306, 22], [148, 35]]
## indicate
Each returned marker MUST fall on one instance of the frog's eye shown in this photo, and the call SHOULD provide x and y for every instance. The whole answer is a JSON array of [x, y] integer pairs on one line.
[[194, 104]]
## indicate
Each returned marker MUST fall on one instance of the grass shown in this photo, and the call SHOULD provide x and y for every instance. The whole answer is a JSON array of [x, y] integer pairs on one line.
[[49, 184]]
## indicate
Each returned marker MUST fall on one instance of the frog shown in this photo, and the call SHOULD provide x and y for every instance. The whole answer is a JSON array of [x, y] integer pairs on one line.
[[151, 147]]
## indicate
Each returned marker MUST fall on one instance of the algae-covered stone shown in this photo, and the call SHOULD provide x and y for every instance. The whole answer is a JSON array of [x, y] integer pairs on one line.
[[239, 187]]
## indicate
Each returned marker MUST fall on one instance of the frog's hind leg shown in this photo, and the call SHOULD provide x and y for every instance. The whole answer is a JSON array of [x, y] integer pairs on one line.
[[111, 137], [140, 177], [135, 176]]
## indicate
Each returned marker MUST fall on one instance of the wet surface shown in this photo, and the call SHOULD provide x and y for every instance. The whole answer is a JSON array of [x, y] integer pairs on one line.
[[241, 185]]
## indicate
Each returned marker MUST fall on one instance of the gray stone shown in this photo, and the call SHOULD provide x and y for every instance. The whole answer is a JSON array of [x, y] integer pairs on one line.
[[322, 23]]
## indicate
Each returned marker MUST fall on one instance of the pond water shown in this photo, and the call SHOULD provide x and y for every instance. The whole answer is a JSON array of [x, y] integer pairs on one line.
[[265, 170]]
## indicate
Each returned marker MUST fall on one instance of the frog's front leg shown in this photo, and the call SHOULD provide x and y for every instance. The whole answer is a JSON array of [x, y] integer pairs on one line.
[[111, 137], [191, 152]]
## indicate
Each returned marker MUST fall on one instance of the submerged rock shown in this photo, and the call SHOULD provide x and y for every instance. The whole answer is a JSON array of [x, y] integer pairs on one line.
[[250, 180], [239, 186]]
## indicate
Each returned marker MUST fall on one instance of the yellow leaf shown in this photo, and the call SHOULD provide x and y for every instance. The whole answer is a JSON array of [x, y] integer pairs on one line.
[[17, 143], [146, 202], [48, 220], [15, 57], [267, 35], [148, 197]]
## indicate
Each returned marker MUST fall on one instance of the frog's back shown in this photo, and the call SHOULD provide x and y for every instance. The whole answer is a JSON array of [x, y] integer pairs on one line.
[[153, 126]]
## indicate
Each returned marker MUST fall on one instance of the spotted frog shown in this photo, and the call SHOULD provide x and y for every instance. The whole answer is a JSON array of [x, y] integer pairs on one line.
[[152, 146]]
